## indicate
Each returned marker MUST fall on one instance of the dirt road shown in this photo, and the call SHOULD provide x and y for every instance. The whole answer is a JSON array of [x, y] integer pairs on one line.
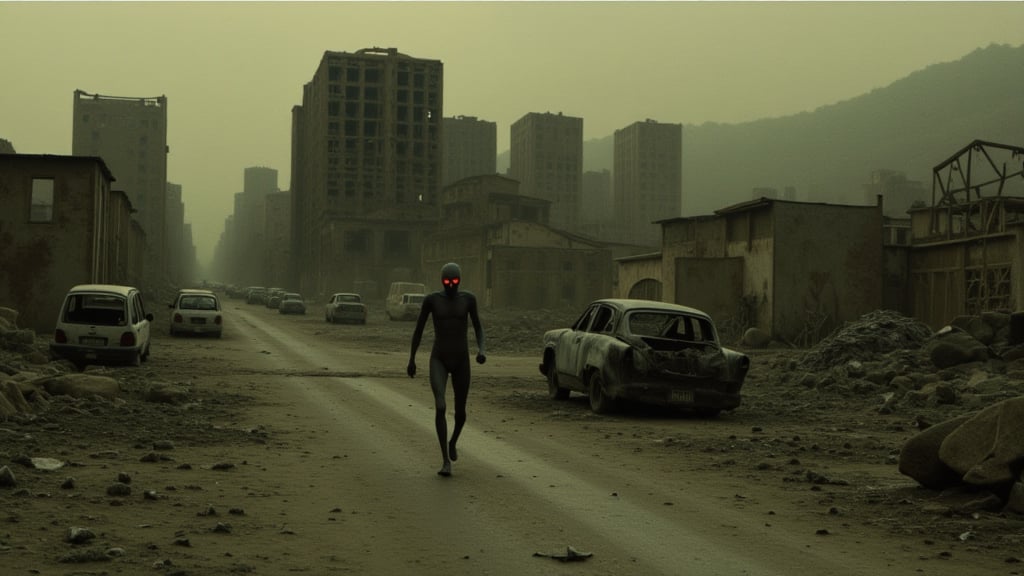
[[307, 449]]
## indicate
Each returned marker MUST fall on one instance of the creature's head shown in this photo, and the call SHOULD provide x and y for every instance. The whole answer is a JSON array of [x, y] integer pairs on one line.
[[451, 275]]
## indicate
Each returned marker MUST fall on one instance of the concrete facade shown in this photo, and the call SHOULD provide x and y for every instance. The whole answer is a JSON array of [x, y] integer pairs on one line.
[[546, 157], [61, 225], [648, 179], [366, 168], [277, 227], [509, 256], [796, 270], [470, 148], [130, 134]]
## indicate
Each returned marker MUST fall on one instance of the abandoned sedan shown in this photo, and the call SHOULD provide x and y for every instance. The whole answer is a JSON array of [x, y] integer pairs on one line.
[[645, 351]]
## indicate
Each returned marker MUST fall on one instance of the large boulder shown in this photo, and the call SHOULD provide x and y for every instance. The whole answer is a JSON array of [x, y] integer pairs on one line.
[[8, 317], [987, 447], [952, 346], [80, 385], [919, 457], [756, 338]]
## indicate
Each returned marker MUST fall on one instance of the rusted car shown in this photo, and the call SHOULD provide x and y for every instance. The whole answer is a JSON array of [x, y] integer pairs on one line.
[[644, 351]]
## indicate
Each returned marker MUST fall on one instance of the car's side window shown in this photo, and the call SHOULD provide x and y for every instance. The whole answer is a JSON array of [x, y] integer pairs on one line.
[[585, 319], [602, 320]]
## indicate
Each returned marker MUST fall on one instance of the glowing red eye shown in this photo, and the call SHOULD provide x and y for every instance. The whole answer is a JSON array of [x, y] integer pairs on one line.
[[455, 280], [445, 281]]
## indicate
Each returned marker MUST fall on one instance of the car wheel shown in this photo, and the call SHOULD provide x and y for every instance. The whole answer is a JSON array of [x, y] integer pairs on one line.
[[136, 359], [555, 392], [145, 355], [600, 402]]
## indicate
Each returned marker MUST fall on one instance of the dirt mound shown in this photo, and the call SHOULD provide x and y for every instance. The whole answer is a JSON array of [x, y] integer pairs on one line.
[[866, 338]]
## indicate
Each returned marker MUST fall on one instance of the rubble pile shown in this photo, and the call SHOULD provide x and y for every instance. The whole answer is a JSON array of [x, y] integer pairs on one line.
[[872, 335]]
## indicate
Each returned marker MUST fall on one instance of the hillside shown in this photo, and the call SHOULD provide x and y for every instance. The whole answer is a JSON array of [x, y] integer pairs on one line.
[[828, 154]]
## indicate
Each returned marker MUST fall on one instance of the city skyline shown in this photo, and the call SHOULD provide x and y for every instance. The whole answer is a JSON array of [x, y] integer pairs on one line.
[[231, 72]]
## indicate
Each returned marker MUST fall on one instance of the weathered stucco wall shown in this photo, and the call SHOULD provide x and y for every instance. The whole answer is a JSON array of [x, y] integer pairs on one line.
[[548, 277], [828, 267], [632, 271], [42, 260]]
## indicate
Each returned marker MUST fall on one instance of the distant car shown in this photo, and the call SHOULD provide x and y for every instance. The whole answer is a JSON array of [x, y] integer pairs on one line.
[[345, 307], [405, 308], [100, 323], [292, 303], [196, 312], [256, 295], [645, 351]]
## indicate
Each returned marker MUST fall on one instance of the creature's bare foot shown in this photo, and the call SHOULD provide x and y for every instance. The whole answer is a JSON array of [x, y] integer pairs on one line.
[[452, 453], [446, 469]]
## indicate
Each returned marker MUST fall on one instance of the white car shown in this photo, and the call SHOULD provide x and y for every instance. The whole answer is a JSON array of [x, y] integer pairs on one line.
[[101, 323], [196, 312], [345, 307]]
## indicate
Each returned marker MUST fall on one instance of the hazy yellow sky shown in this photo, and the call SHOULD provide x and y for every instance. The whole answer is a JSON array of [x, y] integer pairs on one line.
[[232, 71]]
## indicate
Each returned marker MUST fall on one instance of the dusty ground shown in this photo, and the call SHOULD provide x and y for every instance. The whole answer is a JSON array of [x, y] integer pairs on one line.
[[151, 481]]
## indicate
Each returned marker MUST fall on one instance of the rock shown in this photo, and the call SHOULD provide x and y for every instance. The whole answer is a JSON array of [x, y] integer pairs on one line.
[[1015, 501], [985, 448], [119, 489], [167, 394], [919, 457], [9, 316], [951, 347], [7, 478], [81, 386], [756, 338], [976, 327], [13, 399], [77, 535]]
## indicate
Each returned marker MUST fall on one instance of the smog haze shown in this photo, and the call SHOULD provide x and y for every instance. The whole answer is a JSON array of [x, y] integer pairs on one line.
[[232, 71]]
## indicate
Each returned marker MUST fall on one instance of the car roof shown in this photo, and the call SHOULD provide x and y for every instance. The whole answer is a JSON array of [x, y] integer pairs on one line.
[[628, 304], [295, 294], [196, 291], [106, 288], [344, 294]]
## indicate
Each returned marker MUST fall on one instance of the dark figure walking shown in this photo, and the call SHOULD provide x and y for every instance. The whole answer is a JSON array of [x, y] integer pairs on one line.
[[450, 355]]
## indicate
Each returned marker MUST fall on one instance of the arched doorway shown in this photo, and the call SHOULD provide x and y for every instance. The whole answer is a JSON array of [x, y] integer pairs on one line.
[[646, 289]]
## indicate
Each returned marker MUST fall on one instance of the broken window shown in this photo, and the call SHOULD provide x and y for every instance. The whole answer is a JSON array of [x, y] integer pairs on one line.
[[42, 200]]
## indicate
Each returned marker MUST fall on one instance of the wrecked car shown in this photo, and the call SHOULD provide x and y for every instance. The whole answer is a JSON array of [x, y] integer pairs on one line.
[[644, 351]]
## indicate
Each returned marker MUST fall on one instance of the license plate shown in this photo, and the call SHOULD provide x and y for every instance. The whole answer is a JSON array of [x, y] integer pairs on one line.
[[682, 396], [199, 320], [92, 341]]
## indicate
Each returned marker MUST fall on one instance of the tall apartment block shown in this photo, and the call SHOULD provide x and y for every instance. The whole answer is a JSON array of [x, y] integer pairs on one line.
[[470, 148], [366, 167], [546, 157], [249, 260], [130, 134], [647, 178]]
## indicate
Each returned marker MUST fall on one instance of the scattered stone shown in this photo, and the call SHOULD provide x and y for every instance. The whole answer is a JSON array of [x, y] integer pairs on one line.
[[68, 483], [163, 445], [76, 535], [222, 466], [124, 478], [7, 478], [119, 489], [84, 556], [222, 528]]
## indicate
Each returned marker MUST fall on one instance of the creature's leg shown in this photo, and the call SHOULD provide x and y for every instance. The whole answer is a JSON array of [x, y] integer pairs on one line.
[[438, 383], [460, 387]]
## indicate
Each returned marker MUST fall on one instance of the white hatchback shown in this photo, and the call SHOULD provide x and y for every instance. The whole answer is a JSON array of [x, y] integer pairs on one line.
[[102, 323], [196, 312]]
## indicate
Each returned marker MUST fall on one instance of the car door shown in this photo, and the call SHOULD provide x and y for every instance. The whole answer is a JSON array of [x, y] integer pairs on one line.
[[141, 321], [568, 354]]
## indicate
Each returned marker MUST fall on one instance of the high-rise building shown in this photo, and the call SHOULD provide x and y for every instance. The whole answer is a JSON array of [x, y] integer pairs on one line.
[[647, 178], [470, 148], [366, 167], [546, 157], [130, 134]]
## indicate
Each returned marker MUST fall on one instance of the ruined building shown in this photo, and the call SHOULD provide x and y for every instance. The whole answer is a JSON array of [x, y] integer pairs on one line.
[[470, 148], [546, 157], [130, 134], [647, 179], [366, 168]]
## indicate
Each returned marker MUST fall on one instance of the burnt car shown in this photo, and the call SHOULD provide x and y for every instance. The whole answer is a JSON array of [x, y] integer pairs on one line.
[[644, 351]]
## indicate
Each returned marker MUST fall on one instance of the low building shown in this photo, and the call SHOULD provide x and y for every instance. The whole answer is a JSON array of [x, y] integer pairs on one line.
[[509, 255], [797, 270], [61, 225]]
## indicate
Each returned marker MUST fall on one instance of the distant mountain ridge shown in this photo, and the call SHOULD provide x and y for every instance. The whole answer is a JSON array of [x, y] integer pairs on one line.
[[828, 155]]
